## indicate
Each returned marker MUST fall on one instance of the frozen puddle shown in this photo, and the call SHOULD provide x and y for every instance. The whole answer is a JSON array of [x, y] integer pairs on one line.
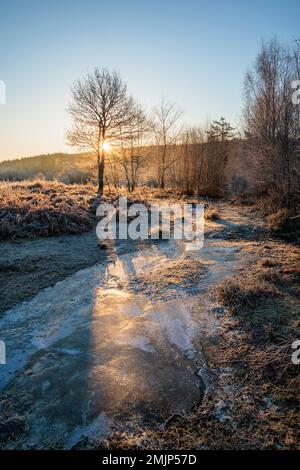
[[90, 351]]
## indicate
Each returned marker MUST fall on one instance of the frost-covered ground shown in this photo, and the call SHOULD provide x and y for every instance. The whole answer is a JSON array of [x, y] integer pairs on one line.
[[118, 342]]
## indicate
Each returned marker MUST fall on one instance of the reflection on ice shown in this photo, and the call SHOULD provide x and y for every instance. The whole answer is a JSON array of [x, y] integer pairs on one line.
[[92, 339]]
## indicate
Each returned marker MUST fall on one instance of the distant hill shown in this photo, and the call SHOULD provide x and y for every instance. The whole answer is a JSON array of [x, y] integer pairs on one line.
[[82, 167], [69, 168]]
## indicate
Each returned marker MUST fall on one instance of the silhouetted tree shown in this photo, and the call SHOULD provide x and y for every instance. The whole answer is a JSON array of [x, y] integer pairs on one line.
[[272, 122], [102, 111]]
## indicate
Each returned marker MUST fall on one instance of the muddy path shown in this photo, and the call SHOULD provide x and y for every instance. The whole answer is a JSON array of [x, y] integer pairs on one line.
[[125, 340]]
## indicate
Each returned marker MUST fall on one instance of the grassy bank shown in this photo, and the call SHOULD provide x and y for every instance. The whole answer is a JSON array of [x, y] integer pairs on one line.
[[43, 208], [39, 208]]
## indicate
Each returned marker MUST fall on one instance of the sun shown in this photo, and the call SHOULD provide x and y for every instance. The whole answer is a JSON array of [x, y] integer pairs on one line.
[[106, 146]]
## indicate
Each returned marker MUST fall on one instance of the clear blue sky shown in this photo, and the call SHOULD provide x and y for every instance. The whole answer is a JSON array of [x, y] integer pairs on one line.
[[194, 52]]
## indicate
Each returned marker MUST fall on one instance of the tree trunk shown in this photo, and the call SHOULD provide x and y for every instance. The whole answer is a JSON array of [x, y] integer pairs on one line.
[[101, 157], [162, 179]]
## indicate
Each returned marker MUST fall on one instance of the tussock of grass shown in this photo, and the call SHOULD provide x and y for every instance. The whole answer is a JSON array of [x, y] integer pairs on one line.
[[267, 263], [275, 272], [264, 279], [236, 294], [211, 214], [275, 360]]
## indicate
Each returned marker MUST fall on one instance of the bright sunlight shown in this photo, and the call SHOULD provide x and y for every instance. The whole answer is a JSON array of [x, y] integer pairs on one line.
[[106, 146]]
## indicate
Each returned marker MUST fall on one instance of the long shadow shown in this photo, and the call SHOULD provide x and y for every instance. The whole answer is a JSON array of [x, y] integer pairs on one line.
[[48, 339], [78, 356], [52, 351]]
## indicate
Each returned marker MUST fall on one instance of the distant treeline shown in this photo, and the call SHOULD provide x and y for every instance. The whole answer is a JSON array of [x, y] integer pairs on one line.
[[143, 167], [68, 168]]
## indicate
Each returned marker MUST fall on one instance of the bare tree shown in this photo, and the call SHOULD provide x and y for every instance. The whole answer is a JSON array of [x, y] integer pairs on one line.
[[132, 153], [189, 168], [166, 130], [102, 111], [272, 123]]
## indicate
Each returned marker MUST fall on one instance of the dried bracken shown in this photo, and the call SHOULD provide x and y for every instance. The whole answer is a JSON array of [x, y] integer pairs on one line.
[[40, 208]]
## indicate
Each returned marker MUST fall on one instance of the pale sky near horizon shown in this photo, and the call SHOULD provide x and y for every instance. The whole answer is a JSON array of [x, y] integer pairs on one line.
[[195, 53]]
